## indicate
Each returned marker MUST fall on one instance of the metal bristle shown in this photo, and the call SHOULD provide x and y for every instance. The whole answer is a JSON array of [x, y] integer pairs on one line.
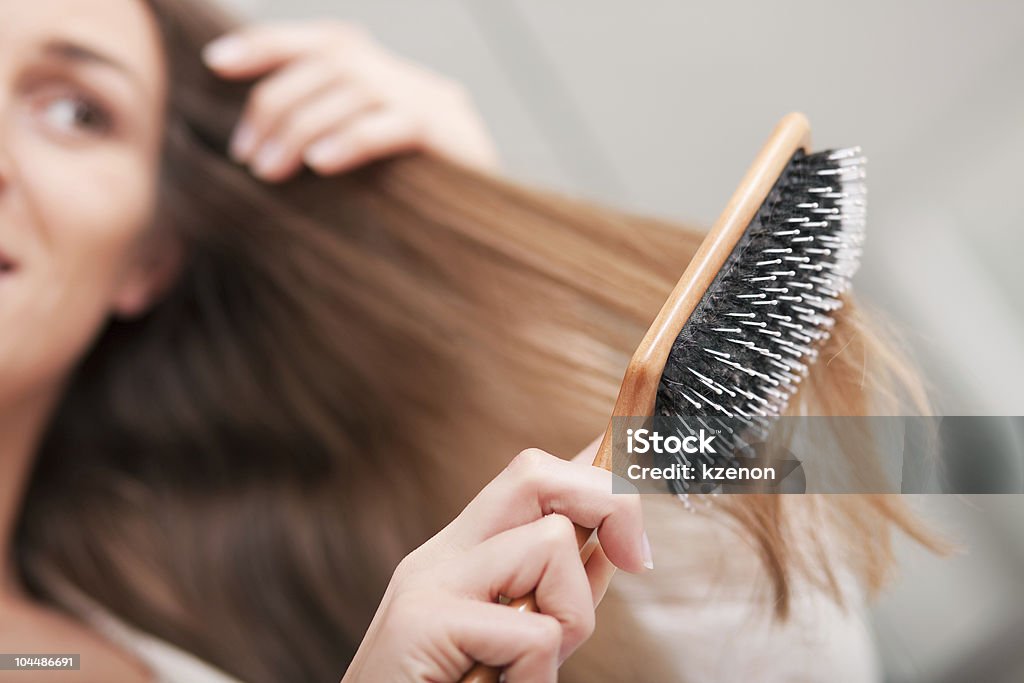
[[758, 327]]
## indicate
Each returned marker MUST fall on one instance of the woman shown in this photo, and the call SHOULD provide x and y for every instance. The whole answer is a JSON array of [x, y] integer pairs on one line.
[[232, 405]]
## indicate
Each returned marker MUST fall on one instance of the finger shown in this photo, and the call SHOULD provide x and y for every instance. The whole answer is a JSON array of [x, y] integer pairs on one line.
[[526, 645], [541, 557], [282, 152], [257, 49], [272, 99], [375, 135], [600, 572], [600, 569], [537, 483]]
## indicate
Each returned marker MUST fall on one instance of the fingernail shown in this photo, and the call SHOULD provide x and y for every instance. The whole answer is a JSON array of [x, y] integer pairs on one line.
[[269, 159], [325, 153], [645, 549], [242, 142], [224, 52]]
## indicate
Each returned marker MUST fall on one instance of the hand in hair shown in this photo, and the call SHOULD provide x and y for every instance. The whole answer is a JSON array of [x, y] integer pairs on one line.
[[332, 98], [439, 614]]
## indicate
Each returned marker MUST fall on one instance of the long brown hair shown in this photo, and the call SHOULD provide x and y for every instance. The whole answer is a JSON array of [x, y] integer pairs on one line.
[[342, 363]]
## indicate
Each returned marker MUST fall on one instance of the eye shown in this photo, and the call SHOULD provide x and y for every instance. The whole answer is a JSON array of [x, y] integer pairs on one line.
[[75, 114]]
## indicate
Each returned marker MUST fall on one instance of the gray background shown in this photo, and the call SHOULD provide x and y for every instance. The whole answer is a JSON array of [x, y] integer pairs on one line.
[[659, 107]]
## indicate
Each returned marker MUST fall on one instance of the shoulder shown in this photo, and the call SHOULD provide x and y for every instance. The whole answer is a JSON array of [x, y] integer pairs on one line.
[[29, 627]]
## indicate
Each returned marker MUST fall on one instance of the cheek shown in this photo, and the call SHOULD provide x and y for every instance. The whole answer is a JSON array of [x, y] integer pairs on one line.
[[92, 212], [81, 215]]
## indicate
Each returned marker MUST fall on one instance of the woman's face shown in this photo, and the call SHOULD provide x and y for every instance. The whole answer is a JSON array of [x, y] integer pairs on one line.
[[82, 91]]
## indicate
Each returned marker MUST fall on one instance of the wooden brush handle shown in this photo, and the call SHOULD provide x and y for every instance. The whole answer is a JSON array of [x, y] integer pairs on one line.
[[481, 673]]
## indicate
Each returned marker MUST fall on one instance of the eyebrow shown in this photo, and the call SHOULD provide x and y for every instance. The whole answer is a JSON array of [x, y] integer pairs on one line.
[[69, 51]]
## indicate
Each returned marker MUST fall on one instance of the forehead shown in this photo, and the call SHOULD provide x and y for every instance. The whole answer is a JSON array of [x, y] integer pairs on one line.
[[124, 30]]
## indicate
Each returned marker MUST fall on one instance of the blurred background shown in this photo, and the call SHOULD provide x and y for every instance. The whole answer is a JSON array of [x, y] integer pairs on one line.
[[659, 106]]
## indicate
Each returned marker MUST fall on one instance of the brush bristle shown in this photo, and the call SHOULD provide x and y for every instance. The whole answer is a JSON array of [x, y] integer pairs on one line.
[[743, 352]]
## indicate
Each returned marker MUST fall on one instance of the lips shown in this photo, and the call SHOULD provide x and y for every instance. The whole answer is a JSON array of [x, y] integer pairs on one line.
[[7, 264]]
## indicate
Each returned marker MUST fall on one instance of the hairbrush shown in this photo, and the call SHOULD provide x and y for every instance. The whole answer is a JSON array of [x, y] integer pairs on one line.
[[742, 326]]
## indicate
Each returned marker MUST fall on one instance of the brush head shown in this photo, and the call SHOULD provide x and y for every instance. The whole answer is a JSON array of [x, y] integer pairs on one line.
[[742, 353]]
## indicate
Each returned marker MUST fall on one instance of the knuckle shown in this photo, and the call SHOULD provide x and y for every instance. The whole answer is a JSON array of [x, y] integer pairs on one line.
[[526, 470], [321, 69], [577, 624], [414, 128], [548, 633], [558, 530], [296, 125], [407, 612], [414, 567], [583, 623], [361, 92], [528, 461], [340, 61], [263, 98], [360, 137], [405, 570]]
